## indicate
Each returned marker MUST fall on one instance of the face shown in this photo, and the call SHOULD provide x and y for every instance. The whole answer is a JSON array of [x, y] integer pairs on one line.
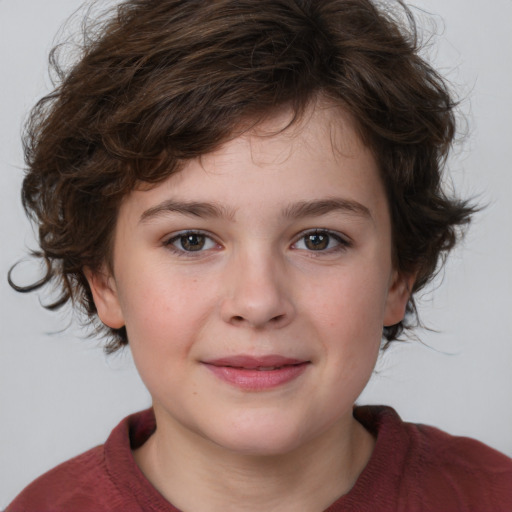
[[255, 283]]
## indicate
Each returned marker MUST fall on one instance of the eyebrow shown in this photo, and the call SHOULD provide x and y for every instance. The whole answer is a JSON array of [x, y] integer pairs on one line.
[[192, 209], [314, 208], [324, 206]]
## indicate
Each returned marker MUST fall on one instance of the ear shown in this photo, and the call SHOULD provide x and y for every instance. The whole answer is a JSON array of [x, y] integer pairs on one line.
[[399, 293], [106, 300]]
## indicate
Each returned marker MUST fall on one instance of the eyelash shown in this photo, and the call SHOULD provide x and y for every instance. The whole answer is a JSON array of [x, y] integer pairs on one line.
[[169, 243], [341, 242]]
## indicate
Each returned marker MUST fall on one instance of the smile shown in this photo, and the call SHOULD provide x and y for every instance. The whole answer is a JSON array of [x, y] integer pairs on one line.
[[257, 373]]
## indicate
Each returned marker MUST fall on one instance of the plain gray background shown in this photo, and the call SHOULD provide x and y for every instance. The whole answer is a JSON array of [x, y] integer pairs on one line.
[[59, 394]]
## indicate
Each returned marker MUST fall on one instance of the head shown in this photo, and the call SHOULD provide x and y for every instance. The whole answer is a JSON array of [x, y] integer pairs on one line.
[[161, 83]]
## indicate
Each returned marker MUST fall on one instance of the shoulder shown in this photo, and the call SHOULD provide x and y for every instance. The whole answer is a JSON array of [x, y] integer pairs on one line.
[[98, 479], [462, 466], [424, 468], [463, 452], [73, 485]]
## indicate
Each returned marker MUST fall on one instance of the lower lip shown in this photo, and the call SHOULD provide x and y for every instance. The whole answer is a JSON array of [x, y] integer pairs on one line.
[[258, 380]]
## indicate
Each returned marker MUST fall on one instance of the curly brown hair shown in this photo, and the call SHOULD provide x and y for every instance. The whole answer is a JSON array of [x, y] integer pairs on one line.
[[163, 81]]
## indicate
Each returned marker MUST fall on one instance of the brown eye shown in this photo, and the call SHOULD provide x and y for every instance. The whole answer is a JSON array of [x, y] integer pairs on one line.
[[317, 241], [322, 241], [192, 242], [188, 242]]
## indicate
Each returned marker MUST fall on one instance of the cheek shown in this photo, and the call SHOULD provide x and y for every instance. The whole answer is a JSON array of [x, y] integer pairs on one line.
[[164, 310], [351, 301], [164, 324], [350, 319]]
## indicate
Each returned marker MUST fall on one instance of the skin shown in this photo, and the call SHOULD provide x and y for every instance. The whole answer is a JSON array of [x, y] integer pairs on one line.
[[257, 286]]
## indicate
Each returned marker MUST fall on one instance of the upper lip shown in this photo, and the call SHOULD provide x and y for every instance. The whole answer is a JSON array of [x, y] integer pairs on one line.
[[248, 362]]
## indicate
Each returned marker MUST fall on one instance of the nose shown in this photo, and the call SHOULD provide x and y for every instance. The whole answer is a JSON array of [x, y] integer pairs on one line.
[[257, 293]]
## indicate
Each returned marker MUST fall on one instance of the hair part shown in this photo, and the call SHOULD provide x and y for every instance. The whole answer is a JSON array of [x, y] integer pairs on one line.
[[165, 81]]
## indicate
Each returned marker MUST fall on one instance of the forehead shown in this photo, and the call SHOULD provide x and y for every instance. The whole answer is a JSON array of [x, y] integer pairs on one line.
[[322, 125], [277, 162]]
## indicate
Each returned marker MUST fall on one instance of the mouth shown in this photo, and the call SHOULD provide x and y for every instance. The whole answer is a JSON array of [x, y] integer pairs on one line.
[[257, 373]]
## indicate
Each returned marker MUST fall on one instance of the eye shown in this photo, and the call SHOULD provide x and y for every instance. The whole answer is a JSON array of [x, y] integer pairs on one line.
[[191, 241], [320, 240]]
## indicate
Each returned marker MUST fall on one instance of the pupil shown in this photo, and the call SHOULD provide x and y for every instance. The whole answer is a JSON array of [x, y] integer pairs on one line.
[[317, 242], [192, 242]]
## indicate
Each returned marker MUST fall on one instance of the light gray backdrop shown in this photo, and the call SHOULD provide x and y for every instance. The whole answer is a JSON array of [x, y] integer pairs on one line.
[[59, 394]]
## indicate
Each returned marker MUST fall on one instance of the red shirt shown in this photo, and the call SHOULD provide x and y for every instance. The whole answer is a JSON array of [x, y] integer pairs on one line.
[[413, 468]]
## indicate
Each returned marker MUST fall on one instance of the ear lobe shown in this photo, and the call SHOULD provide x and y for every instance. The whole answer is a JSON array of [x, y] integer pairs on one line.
[[398, 295], [104, 293]]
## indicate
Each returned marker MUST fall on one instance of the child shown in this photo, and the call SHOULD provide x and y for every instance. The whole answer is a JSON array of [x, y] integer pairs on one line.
[[248, 195]]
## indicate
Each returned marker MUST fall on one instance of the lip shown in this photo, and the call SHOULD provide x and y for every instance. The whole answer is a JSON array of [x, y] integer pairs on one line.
[[257, 373]]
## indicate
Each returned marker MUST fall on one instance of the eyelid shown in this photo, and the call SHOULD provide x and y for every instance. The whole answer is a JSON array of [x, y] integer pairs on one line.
[[344, 241], [169, 240]]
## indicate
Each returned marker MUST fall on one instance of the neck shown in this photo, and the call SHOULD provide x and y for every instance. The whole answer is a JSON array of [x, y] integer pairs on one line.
[[195, 474]]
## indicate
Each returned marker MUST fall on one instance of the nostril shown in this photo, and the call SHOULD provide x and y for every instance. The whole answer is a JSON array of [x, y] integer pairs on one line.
[[238, 319]]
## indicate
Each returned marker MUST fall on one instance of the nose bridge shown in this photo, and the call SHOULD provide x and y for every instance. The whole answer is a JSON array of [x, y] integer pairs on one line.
[[256, 292]]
